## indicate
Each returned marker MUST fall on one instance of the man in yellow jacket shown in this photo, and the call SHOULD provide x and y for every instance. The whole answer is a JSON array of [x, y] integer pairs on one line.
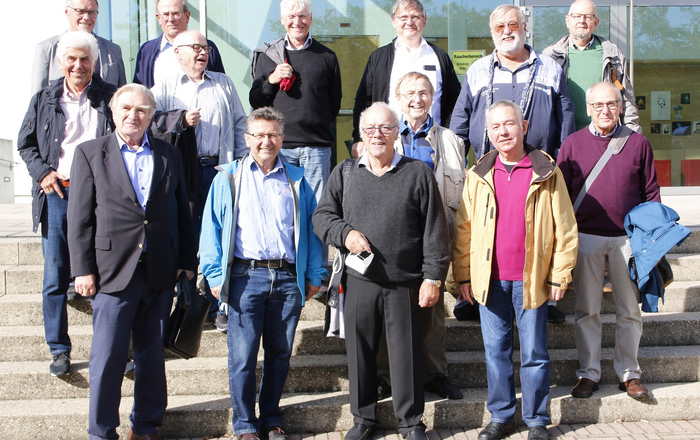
[[515, 247]]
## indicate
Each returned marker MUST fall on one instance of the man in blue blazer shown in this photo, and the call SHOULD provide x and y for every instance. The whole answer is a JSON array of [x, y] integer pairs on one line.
[[130, 237]]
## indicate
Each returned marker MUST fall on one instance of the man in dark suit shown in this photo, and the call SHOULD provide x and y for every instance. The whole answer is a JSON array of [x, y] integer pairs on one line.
[[130, 236], [81, 15]]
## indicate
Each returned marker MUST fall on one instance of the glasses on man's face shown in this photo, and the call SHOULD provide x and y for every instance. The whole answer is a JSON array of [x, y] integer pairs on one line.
[[89, 12], [383, 129], [262, 136], [175, 15], [411, 18], [412, 94], [500, 27], [598, 106], [577, 17], [197, 48]]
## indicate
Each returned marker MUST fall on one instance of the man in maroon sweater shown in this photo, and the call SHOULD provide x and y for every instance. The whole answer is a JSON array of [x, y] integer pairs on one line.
[[626, 180]]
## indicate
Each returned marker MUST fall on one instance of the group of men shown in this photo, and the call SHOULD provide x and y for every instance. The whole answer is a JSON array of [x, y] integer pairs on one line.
[[243, 191]]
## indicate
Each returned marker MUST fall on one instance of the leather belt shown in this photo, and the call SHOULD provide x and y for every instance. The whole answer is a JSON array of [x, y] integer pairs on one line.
[[209, 161], [65, 183], [270, 264]]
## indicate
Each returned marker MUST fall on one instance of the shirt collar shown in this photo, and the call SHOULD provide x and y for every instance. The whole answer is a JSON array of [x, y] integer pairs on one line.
[[70, 96], [306, 45], [364, 160], [145, 145], [532, 58], [525, 162], [596, 133], [587, 46], [253, 165], [398, 44], [427, 125], [184, 78], [165, 44]]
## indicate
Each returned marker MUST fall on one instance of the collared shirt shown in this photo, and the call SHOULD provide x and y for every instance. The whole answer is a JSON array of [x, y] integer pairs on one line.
[[588, 45], [81, 125], [364, 162], [139, 167], [288, 45], [423, 60], [166, 63], [595, 132], [265, 215], [510, 85], [416, 145]]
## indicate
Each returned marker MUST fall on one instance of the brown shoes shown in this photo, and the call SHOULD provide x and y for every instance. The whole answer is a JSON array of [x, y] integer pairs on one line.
[[584, 388], [635, 389], [133, 436]]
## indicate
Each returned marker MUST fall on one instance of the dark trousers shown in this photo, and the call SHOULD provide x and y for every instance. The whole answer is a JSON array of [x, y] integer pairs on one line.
[[141, 311], [369, 307], [206, 177]]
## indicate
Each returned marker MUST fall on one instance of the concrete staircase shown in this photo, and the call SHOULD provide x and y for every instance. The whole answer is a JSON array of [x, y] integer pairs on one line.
[[34, 405]]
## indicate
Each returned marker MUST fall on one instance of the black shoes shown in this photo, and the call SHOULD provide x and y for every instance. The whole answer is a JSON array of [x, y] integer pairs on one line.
[[538, 433], [441, 386], [495, 430], [60, 364], [554, 315], [383, 389], [415, 434], [360, 432]]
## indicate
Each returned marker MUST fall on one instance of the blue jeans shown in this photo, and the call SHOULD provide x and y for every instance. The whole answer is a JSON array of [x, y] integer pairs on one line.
[[316, 162], [505, 302], [262, 302], [54, 245]]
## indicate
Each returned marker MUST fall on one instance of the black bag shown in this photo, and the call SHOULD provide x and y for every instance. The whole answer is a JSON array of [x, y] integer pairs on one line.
[[183, 332]]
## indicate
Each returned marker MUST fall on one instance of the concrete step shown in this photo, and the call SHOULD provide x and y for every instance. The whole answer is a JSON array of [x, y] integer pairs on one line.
[[206, 416], [328, 373], [14, 251], [27, 343], [686, 267]]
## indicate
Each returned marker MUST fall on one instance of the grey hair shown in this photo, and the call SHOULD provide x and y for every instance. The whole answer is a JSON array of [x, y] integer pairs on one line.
[[402, 5], [594, 87], [376, 105], [185, 36], [184, 5], [134, 88], [291, 5], [413, 76], [503, 10], [70, 3], [595, 10], [266, 114], [77, 40], [507, 103]]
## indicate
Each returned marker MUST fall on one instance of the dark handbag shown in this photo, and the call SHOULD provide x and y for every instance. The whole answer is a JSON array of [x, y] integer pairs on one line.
[[183, 332]]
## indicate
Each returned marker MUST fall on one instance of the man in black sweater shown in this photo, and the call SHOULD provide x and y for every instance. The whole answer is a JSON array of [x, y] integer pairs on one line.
[[300, 77], [393, 209]]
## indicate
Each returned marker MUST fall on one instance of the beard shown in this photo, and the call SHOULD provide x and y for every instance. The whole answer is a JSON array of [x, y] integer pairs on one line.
[[510, 47]]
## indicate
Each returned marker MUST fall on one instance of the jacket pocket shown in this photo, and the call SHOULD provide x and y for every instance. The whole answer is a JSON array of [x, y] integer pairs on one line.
[[103, 243], [454, 184]]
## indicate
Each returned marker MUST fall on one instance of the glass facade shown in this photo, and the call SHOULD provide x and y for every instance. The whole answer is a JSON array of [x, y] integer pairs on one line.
[[665, 52]]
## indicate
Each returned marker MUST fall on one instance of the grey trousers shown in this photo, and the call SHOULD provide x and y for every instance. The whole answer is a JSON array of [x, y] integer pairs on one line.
[[588, 281]]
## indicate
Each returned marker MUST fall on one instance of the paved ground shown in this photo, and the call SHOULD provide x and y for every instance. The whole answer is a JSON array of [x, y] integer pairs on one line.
[[682, 429]]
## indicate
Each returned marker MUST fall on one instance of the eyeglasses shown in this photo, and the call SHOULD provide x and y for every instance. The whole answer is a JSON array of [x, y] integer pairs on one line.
[[512, 25], [175, 15], [383, 129], [598, 106], [577, 17], [89, 12], [412, 94], [197, 48], [261, 136], [302, 17], [412, 18]]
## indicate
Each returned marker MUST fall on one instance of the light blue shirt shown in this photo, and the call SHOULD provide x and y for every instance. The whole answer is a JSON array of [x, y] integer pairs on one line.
[[139, 167], [265, 217]]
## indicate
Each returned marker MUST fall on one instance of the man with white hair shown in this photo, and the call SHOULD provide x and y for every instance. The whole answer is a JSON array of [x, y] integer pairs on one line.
[[81, 15], [300, 77], [207, 103], [156, 60], [587, 58], [72, 110]]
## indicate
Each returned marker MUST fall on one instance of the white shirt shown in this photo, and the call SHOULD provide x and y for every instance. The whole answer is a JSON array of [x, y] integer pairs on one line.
[[423, 60], [166, 63], [81, 126], [364, 162]]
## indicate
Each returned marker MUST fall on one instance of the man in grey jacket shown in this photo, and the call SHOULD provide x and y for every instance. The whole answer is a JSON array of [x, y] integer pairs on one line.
[[587, 58], [81, 15]]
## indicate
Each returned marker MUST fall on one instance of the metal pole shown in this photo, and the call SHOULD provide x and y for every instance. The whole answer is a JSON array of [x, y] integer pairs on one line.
[[203, 17], [631, 36]]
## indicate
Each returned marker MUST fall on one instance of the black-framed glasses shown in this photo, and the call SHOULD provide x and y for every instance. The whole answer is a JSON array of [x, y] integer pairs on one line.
[[587, 17], [512, 25], [383, 129], [598, 106], [261, 136], [197, 48], [88, 12]]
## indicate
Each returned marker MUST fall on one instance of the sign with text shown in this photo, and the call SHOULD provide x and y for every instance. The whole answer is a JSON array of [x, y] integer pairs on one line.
[[462, 59]]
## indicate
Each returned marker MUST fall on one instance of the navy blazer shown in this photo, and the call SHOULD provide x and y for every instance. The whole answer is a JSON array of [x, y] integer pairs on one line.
[[146, 58], [107, 228]]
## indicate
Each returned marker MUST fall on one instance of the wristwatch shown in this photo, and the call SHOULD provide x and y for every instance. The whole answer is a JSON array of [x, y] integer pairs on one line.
[[437, 283]]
